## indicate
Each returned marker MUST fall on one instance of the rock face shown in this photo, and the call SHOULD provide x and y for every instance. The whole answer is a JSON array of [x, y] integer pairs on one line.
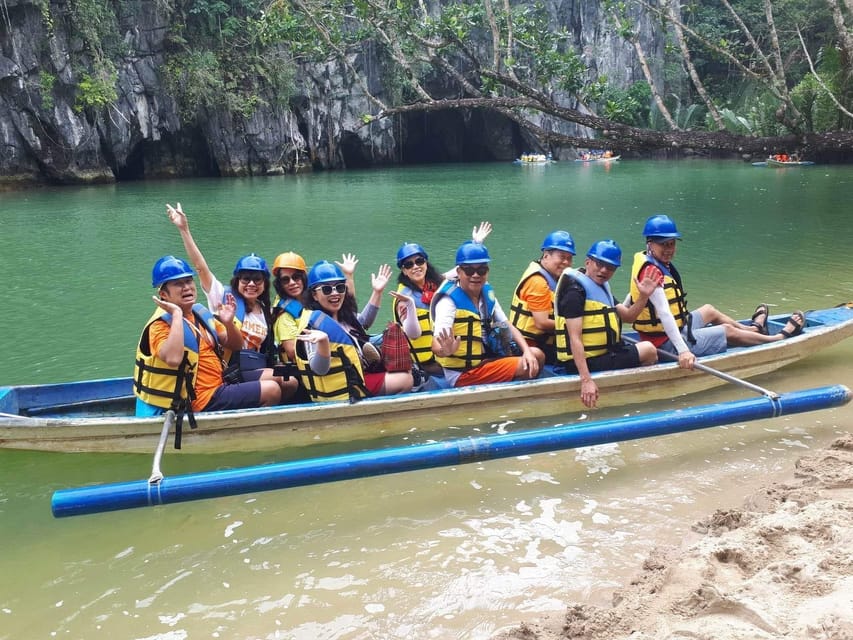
[[48, 137]]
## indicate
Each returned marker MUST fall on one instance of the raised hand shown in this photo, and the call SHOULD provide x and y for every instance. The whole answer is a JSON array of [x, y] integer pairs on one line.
[[177, 216], [478, 235], [228, 309], [380, 279], [168, 307], [347, 264], [447, 343], [648, 285]]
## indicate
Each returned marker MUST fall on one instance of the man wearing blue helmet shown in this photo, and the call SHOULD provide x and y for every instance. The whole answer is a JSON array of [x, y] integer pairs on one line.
[[589, 320], [179, 356], [532, 307], [666, 320], [464, 312]]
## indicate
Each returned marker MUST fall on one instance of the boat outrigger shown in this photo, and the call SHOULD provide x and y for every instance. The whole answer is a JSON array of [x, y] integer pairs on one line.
[[158, 490], [97, 415]]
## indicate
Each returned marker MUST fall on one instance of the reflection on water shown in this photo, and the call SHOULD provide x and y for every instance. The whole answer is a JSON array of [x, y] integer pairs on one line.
[[455, 552]]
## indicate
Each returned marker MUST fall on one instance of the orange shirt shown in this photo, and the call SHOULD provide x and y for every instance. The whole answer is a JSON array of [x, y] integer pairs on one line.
[[208, 376], [538, 295]]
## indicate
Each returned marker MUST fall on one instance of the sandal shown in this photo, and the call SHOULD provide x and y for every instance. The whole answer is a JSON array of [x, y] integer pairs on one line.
[[798, 320], [760, 310]]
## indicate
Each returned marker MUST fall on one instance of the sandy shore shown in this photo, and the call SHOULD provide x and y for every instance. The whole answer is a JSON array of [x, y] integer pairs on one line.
[[780, 566]]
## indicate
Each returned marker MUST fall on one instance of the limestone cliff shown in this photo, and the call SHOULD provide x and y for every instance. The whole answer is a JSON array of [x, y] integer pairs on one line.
[[56, 128]]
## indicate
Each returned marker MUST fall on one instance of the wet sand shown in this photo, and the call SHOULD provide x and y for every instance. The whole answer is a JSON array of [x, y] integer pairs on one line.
[[778, 566]]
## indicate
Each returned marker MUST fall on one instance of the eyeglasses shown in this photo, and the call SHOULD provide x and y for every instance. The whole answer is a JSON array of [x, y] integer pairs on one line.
[[604, 265], [419, 261], [256, 278], [285, 280], [327, 289], [470, 270]]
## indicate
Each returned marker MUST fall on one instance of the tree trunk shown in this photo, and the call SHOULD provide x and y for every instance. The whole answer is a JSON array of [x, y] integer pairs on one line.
[[691, 69], [644, 65]]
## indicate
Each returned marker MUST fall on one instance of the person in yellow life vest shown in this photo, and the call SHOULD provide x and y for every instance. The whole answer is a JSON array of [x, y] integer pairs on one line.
[[532, 307], [333, 347], [667, 322], [250, 286], [589, 320], [179, 356], [466, 318], [290, 277], [417, 282]]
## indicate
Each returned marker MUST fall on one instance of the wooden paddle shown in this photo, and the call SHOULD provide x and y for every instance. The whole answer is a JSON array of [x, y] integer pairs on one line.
[[168, 423], [723, 376]]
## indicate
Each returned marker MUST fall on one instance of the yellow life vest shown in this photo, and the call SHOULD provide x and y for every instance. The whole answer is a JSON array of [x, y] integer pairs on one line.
[[345, 379], [602, 327], [160, 385], [648, 321], [421, 347], [467, 326], [519, 311]]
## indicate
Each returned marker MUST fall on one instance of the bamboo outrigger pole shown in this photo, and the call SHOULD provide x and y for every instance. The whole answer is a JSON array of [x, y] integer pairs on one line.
[[212, 484]]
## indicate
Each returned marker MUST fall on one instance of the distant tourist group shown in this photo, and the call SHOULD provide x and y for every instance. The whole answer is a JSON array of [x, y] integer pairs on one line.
[[296, 334]]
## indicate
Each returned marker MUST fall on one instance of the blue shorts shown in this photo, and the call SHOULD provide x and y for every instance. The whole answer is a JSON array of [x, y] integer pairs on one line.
[[706, 340], [242, 395]]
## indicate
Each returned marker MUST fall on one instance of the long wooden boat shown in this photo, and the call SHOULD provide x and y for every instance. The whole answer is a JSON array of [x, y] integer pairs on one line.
[[771, 162], [534, 158], [96, 415], [598, 159]]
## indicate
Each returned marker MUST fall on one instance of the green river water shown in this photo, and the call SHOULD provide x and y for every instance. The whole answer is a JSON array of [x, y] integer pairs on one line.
[[445, 553]]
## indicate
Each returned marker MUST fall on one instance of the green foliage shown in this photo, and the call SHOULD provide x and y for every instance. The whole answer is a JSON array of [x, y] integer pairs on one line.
[[752, 111], [228, 55], [195, 79], [46, 82], [97, 90], [735, 123], [686, 116], [629, 106], [814, 102]]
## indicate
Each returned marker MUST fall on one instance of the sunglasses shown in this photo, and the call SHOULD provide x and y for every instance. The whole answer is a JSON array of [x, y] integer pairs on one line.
[[328, 289], [286, 279], [419, 261], [256, 278], [470, 270]]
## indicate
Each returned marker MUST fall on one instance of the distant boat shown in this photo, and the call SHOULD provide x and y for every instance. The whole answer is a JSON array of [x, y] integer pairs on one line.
[[534, 158], [773, 162], [598, 159]]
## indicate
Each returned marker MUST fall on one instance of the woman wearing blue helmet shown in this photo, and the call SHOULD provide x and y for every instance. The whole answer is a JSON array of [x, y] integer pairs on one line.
[[250, 286], [336, 354], [417, 282]]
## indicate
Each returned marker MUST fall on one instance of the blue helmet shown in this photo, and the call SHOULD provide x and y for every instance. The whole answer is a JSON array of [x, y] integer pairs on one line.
[[606, 251], [324, 271], [170, 268], [252, 262], [559, 240], [472, 253], [660, 226], [408, 250]]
